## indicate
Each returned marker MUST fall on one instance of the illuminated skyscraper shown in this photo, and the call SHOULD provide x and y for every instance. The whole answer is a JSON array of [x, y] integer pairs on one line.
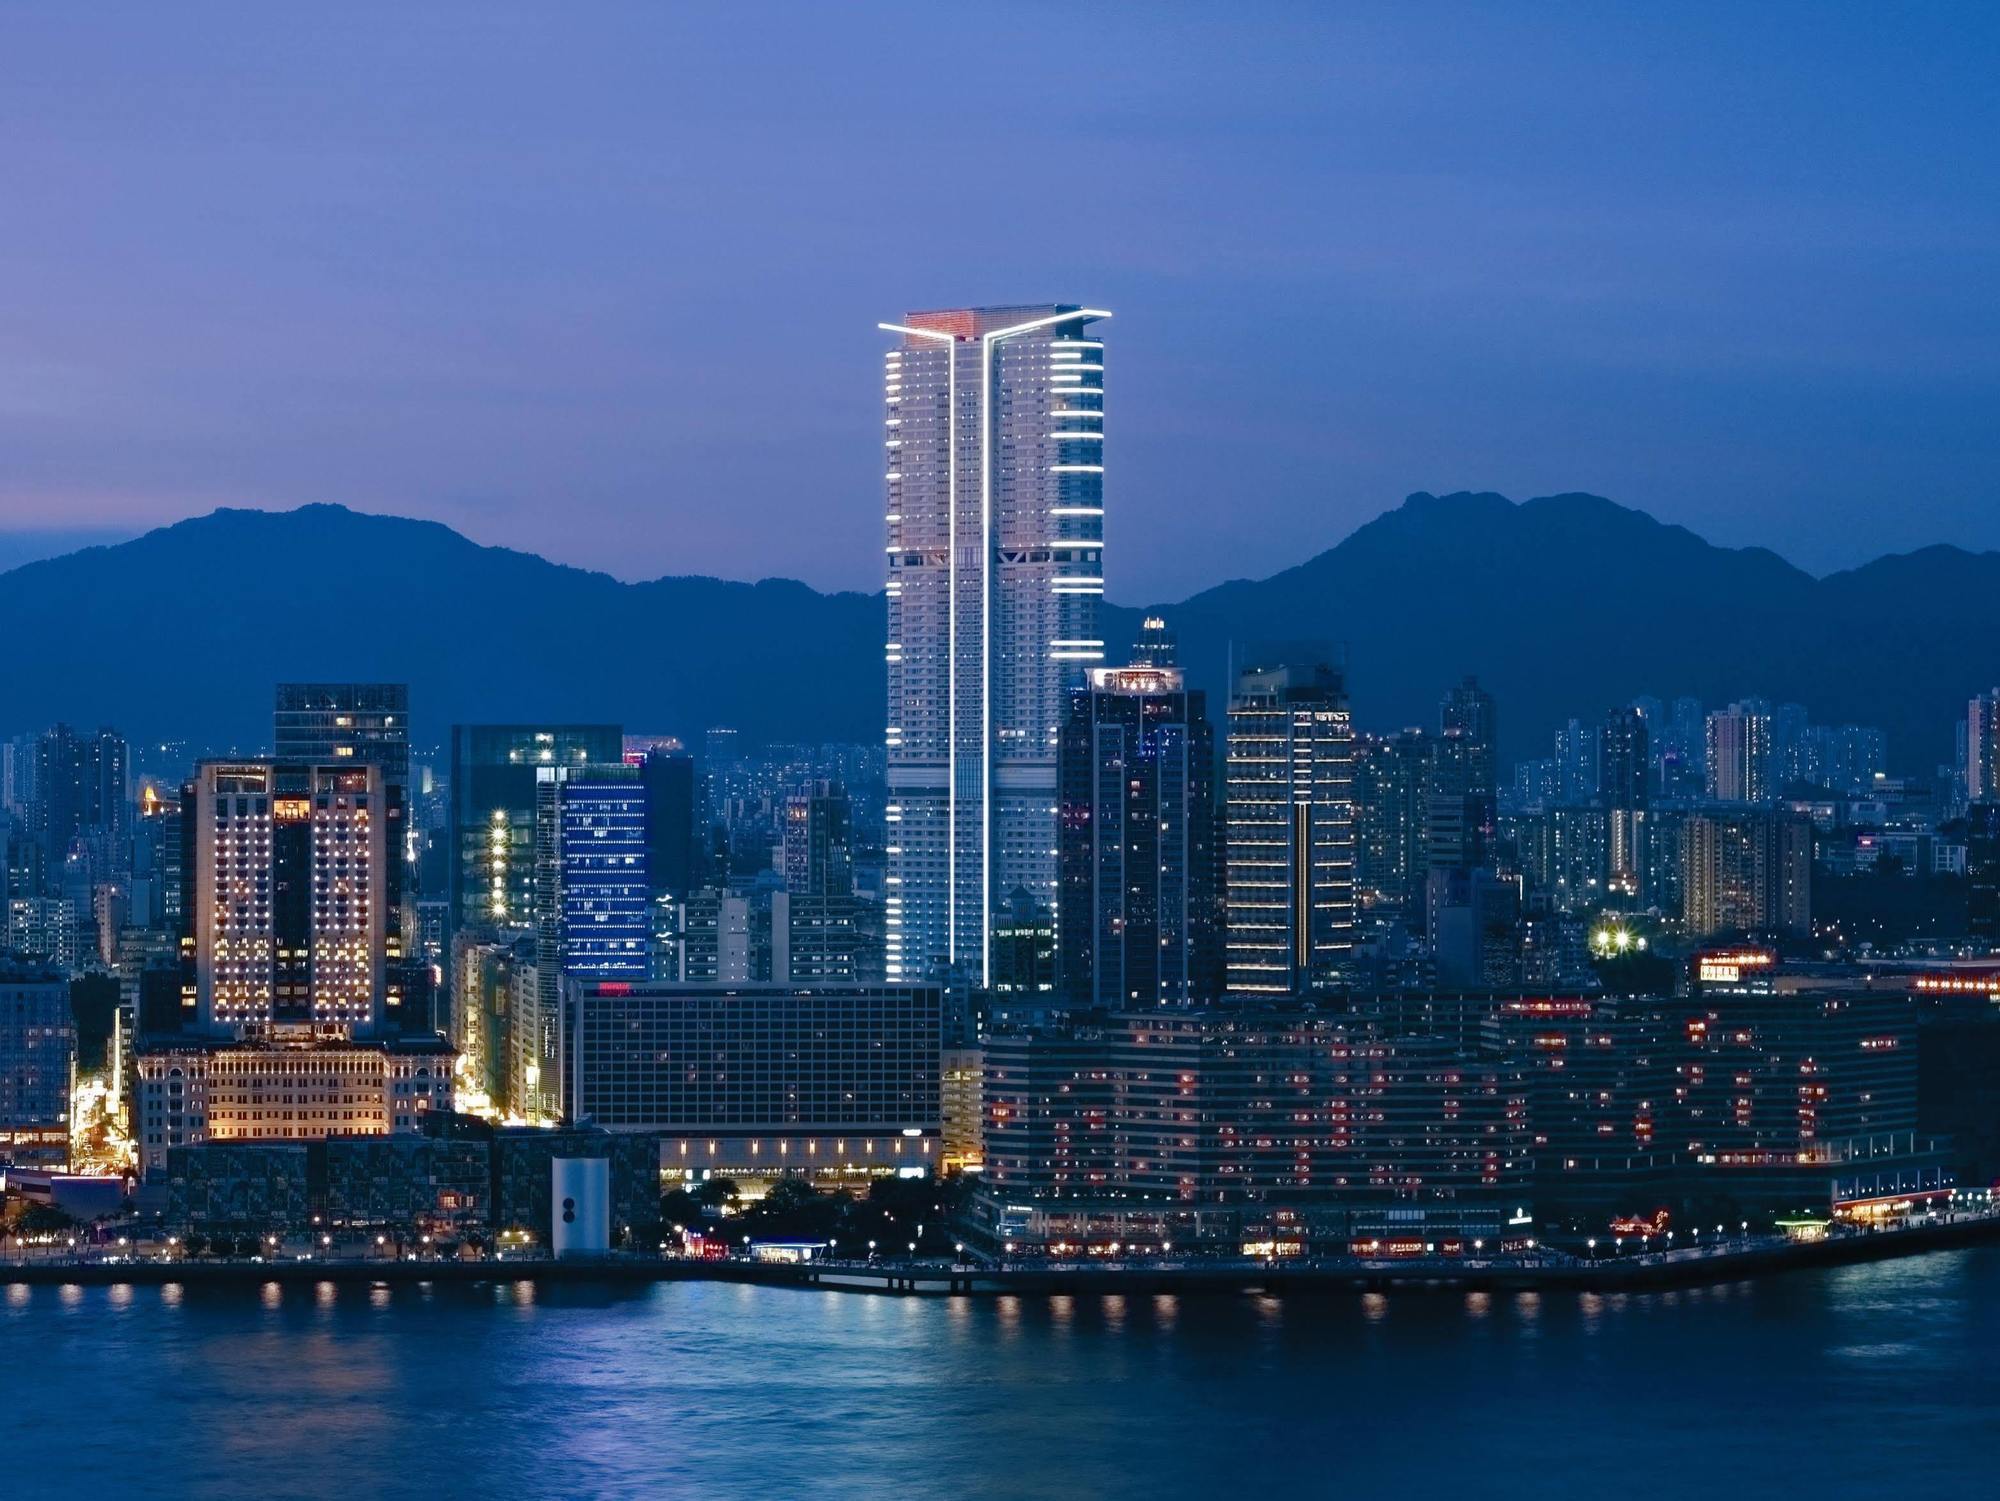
[[1137, 910], [1289, 830], [293, 1015], [994, 468], [1982, 748], [1739, 755]]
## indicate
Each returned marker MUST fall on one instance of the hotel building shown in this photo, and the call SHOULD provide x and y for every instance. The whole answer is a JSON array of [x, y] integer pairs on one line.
[[294, 1017], [994, 473]]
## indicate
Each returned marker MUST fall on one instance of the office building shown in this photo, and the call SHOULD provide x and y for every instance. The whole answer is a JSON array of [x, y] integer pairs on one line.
[[492, 787], [334, 723], [994, 474], [592, 887], [37, 1063], [673, 847], [1289, 829], [1136, 914], [830, 1081]]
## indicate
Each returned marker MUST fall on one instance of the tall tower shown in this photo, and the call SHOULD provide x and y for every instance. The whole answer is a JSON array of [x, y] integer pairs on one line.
[[1289, 830], [1137, 912], [994, 468]]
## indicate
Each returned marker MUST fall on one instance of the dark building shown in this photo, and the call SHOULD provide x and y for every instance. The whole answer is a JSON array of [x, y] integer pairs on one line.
[[1470, 723], [672, 849], [819, 841], [826, 1079], [79, 792], [328, 723], [1391, 783], [493, 769], [1135, 788], [1624, 781], [1982, 872]]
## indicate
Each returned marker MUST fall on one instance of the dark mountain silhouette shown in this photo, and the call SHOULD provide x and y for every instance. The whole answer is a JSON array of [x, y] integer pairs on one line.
[[1569, 604], [185, 631], [1563, 605]]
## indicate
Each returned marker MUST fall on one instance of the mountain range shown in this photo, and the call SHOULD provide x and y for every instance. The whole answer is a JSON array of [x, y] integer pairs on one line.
[[1563, 606]]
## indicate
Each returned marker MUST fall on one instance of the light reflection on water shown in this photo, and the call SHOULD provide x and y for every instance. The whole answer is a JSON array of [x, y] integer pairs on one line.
[[1867, 1380]]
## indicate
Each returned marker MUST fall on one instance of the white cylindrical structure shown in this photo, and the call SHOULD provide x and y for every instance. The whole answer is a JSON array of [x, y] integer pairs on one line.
[[580, 1206]]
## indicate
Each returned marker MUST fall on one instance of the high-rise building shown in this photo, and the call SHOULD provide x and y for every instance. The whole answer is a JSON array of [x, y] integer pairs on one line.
[[1682, 752], [493, 768], [1982, 747], [1844, 758], [591, 884], [1625, 778], [296, 904], [1739, 755], [1744, 872], [37, 1063], [297, 1015], [1289, 830], [1982, 872], [1392, 778], [1469, 734], [819, 847], [994, 468], [1135, 920], [80, 791], [672, 849], [331, 723]]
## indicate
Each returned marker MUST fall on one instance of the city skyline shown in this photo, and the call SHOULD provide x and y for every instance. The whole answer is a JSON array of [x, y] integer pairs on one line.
[[986, 1029]]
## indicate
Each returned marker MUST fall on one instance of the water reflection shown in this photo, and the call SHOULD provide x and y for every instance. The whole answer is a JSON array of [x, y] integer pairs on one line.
[[1839, 1385]]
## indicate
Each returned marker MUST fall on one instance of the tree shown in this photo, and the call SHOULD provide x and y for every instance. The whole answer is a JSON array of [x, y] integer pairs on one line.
[[716, 1193], [679, 1207]]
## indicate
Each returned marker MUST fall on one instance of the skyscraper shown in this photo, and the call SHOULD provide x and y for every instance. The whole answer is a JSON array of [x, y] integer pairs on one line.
[[590, 853], [1289, 828], [493, 770], [1982, 748], [295, 1015], [671, 848], [367, 723], [1746, 872], [1469, 731], [994, 469], [1624, 776], [1136, 917], [1739, 755], [80, 790]]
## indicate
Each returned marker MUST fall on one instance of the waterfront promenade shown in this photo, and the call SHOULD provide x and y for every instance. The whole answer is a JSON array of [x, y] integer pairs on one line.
[[1730, 1260]]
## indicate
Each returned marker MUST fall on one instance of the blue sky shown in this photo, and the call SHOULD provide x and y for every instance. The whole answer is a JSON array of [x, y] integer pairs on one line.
[[602, 281]]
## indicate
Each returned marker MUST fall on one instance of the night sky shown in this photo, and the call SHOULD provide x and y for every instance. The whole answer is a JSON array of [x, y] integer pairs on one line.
[[602, 281]]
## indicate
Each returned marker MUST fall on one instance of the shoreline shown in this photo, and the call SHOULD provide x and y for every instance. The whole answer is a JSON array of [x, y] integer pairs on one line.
[[1637, 1273]]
